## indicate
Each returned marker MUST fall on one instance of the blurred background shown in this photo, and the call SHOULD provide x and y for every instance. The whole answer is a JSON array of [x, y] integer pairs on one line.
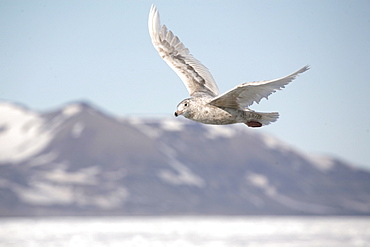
[[87, 126]]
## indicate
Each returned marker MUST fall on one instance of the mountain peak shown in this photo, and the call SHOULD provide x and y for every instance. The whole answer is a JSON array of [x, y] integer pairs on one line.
[[74, 108]]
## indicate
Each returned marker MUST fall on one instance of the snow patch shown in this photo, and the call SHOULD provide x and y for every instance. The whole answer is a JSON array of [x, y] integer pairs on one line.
[[41, 193], [220, 131], [171, 124], [23, 134], [77, 129], [111, 200], [321, 162], [43, 159], [182, 174], [258, 180], [301, 206], [60, 187], [83, 176], [72, 110], [144, 128], [274, 143], [262, 182]]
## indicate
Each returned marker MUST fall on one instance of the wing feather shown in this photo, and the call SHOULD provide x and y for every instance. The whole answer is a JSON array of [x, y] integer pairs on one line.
[[246, 94], [195, 75]]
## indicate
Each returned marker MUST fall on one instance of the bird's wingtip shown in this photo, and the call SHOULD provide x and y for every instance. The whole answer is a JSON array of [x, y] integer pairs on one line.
[[303, 69], [307, 67], [153, 22]]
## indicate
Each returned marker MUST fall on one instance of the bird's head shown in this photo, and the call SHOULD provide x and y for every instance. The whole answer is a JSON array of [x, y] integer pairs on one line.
[[184, 108]]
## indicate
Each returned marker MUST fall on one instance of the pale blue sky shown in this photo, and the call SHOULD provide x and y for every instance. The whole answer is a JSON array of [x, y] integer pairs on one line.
[[55, 52]]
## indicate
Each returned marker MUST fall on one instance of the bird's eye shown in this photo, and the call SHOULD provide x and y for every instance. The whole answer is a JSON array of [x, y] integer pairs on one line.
[[186, 104]]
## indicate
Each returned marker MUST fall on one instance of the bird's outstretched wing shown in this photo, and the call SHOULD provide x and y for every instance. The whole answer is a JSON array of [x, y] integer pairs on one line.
[[195, 75], [245, 94]]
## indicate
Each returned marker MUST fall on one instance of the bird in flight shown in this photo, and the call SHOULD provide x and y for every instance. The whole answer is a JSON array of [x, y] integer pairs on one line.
[[206, 104]]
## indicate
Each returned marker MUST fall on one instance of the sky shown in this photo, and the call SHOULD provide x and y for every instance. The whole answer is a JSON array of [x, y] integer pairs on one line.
[[56, 52]]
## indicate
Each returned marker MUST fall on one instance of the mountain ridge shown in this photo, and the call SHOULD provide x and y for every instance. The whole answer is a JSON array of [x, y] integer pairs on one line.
[[79, 160]]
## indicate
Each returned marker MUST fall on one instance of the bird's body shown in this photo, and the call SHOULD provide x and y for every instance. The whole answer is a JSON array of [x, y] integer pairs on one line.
[[200, 110], [206, 104]]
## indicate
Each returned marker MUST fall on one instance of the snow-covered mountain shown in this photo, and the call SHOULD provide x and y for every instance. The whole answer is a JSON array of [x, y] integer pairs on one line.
[[78, 160]]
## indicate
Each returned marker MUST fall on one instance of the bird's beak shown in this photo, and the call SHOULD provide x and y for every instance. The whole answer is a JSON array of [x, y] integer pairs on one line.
[[177, 113]]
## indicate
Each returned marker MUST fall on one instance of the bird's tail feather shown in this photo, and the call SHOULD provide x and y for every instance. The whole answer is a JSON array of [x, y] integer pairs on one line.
[[258, 119]]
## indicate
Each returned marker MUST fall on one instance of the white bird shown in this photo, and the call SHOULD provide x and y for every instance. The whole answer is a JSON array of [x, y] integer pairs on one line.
[[206, 104]]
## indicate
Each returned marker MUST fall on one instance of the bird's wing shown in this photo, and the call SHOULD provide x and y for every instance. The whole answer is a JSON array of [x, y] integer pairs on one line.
[[195, 75], [245, 94]]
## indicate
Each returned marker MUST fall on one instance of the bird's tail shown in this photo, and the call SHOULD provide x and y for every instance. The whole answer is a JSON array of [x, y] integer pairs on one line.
[[258, 119]]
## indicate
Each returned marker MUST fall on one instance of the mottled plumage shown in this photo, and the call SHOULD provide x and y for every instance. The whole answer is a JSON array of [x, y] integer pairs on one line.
[[205, 104]]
